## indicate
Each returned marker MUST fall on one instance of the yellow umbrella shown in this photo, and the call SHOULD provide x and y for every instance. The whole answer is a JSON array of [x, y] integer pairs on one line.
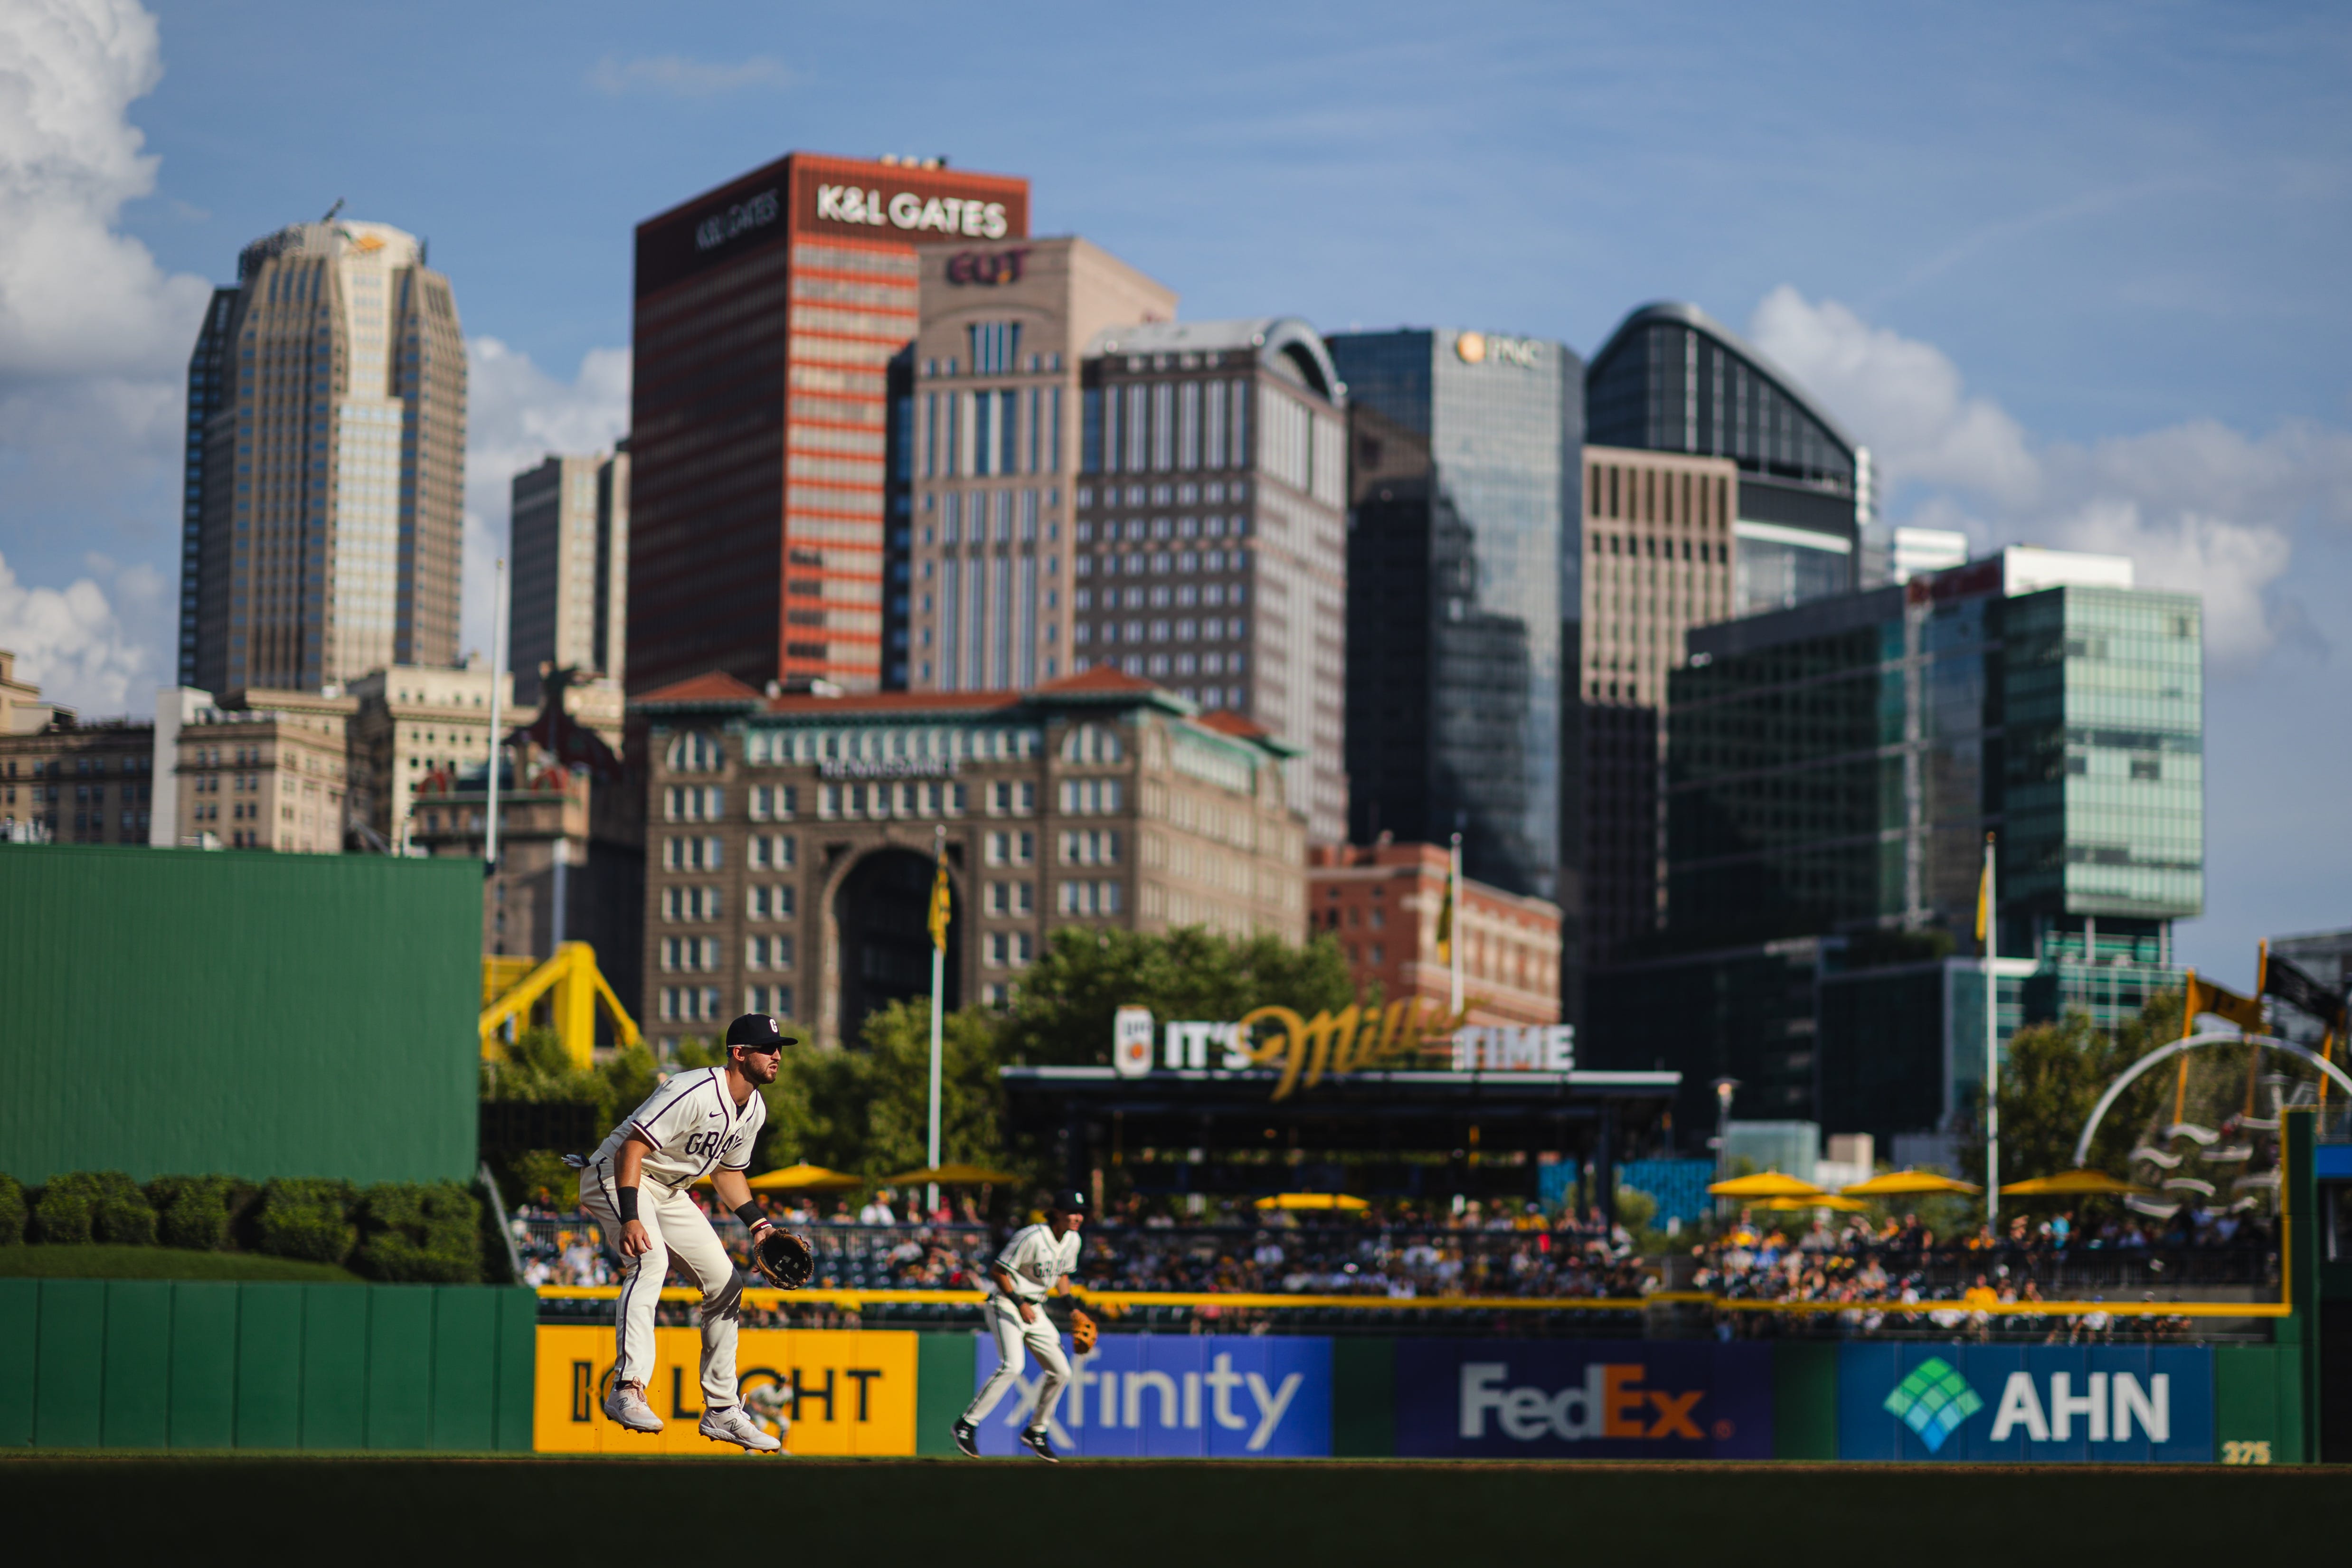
[[1311, 1201], [954, 1176], [2075, 1184], [806, 1179], [1826, 1201], [1766, 1185], [1908, 1184]]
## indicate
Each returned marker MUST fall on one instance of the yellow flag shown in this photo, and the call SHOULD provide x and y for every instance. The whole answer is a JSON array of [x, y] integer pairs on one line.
[[940, 904], [1446, 925], [1984, 898]]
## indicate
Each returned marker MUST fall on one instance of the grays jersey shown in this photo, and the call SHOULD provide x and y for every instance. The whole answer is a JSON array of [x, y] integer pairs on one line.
[[694, 1125], [1035, 1260]]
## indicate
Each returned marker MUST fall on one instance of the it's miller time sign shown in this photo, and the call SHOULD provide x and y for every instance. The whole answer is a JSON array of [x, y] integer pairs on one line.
[[1304, 1051]]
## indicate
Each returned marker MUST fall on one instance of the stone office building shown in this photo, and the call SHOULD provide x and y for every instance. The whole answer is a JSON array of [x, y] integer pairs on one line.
[[791, 838]]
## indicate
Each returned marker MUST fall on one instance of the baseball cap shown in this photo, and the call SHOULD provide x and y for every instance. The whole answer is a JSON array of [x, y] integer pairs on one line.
[[1067, 1201], [760, 1031]]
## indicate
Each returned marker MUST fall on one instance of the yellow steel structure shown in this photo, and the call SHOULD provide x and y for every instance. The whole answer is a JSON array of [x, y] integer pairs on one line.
[[511, 987]]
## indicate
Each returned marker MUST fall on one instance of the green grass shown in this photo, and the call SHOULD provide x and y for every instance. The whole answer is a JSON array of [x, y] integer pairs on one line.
[[1296, 1514], [161, 1263]]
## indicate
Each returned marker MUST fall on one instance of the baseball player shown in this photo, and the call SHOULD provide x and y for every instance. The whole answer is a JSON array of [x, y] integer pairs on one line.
[[635, 1185], [1036, 1263]]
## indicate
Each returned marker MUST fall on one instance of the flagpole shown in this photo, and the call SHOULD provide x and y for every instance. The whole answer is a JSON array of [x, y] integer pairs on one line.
[[939, 997], [1453, 898], [1992, 1046]]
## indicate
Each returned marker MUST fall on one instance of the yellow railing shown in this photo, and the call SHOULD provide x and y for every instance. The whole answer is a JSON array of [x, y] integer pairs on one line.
[[851, 1299], [577, 985]]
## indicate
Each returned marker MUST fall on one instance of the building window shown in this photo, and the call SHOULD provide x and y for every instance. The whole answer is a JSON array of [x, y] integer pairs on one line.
[[691, 802], [773, 803], [1087, 796], [1090, 898], [774, 851], [775, 999], [697, 753]]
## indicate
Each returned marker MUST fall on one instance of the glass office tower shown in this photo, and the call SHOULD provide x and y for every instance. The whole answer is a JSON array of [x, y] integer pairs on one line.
[[1463, 491], [1832, 773], [1673, 379]]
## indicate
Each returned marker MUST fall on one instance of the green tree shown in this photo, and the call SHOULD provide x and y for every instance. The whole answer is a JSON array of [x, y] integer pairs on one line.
[[2051, 1077], [1062, 1015], [866, 1109]]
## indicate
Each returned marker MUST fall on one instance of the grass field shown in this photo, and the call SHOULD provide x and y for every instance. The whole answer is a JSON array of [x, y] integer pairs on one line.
[[161, 1263], [367, 1509]]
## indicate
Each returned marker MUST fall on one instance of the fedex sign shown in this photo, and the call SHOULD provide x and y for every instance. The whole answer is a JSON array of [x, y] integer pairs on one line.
[[1624, 1399]]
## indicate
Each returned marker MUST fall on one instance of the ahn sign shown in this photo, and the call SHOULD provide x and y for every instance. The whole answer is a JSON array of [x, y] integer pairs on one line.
[[1625, 1399], [2036, 1404]]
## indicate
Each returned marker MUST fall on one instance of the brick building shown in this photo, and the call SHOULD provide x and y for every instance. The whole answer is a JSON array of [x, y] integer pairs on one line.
[[790, 838], [1381, 902]]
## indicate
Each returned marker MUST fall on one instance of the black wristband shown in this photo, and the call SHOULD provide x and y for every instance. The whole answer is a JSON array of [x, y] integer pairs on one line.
[[748, 1213], [628, 1205]]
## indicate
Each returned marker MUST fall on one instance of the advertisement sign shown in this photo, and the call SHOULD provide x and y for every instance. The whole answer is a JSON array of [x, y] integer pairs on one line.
[[2042, 1403], [1214, 1396], [1553, 1399], [827, 1391]]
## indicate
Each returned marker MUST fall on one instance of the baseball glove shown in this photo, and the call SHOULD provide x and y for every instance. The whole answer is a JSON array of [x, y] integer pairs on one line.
[[785, 1258], [1082, 1330]]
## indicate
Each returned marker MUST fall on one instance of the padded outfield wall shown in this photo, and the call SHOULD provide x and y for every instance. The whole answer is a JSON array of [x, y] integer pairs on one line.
[[283, 1014]]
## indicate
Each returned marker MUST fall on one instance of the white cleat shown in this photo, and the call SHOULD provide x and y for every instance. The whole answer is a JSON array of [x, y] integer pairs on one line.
[[731, 1426], [630, 1412]]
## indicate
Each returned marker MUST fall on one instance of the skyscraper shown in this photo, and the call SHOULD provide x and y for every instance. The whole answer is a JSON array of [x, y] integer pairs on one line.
[[768, 313], [326, 446], [568, 594], [991, 452], [1463, 491], [1715, 487], [1211, 542]]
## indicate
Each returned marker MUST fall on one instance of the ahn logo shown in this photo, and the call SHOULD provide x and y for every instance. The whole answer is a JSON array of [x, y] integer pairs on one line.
[[1935, 1401]]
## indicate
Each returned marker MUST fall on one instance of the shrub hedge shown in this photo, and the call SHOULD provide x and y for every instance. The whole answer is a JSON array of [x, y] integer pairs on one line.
[[396, 1231]]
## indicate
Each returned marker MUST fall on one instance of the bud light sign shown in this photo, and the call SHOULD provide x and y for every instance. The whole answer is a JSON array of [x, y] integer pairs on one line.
[[1630, 1399]]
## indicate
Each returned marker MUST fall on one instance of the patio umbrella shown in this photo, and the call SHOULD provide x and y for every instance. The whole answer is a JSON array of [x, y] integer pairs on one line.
[[953, 1176], [1908, 1184], [2074, 1183], [1311, 1201], [806, 1179], [1766, 1185], [1826, 1201]]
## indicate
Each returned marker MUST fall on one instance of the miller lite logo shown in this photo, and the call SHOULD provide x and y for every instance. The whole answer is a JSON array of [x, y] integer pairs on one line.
[[1131, 1042]]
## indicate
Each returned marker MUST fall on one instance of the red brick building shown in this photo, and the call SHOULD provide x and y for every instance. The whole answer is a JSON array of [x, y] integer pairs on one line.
[[1381, 902]]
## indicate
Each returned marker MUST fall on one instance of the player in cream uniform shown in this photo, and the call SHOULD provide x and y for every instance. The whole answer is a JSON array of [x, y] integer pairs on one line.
[[635, 1186], [1036, 1263]]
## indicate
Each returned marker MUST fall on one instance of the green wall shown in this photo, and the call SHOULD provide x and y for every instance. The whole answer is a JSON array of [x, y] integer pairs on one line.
[[182, 1012], [140, 1364]]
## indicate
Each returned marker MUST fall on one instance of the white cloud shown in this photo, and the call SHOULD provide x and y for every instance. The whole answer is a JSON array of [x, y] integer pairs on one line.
[[72, 642], [76, 297], [682, 78], [2198, 506], [516, 415]]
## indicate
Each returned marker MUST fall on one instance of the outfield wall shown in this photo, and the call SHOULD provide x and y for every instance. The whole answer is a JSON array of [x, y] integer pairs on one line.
[[1266, 1396], [285, 1015], [138, 1364]]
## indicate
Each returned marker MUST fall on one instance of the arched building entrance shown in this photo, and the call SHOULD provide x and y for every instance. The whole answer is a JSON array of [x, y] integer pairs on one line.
[[880, 916]]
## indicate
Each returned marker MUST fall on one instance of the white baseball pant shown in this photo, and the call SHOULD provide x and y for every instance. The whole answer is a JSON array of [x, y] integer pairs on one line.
[[1042, 1340], [682, 1236]]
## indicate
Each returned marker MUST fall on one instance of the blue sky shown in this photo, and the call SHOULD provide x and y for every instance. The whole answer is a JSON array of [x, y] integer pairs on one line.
[[2073, 270]]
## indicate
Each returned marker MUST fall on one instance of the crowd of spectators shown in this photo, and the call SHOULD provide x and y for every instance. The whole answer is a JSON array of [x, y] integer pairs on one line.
[[1865, 1266], [1409, 1255]]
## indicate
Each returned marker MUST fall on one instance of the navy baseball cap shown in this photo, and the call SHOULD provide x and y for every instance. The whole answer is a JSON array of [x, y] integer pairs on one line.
[[1067, 1202], [762, 1032]]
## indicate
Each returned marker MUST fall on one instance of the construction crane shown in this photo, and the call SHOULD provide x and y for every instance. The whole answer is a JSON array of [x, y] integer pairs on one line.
[[512, 987]]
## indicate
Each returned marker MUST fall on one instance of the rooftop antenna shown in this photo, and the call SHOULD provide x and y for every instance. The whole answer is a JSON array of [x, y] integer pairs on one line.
[[334, 210]]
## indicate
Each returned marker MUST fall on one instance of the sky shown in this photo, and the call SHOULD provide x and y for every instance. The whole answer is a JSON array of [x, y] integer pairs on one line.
[[2072, 271]]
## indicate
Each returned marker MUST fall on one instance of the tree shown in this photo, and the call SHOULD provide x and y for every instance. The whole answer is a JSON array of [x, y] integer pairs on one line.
[[1061, 1016], [867, 1110], [2052, 1075]]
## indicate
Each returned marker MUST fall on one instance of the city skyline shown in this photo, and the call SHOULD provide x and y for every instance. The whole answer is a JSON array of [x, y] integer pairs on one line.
[[2168, 364]]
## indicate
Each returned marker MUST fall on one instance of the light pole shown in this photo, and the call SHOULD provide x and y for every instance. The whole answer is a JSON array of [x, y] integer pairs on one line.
[[1725, 1088]]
